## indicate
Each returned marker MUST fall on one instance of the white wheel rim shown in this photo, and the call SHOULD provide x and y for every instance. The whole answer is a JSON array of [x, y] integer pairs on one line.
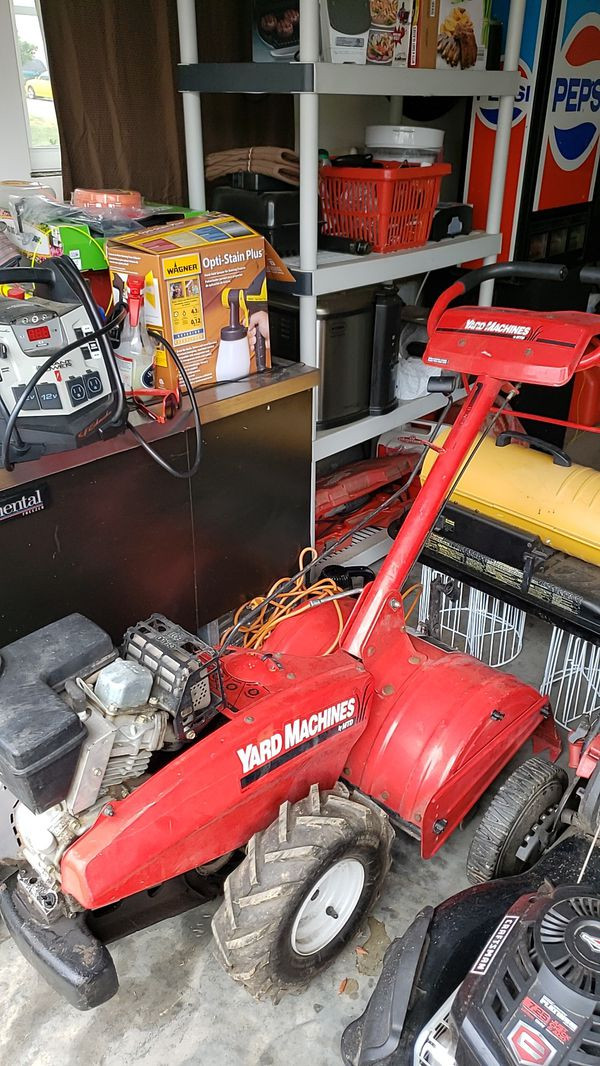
[[328, 907]]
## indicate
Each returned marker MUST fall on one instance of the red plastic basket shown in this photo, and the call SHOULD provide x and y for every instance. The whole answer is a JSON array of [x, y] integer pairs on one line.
[[390, 207]]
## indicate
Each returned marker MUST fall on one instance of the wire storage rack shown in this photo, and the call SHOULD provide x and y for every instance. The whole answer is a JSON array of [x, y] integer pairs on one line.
[[571, 677], [468, 620]]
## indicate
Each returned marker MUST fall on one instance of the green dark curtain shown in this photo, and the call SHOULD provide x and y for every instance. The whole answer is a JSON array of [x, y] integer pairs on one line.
[[113, 70]]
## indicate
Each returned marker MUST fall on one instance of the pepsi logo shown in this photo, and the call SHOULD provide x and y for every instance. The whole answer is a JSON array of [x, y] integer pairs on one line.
[[575, 94], [530, 1048], [487, 106]]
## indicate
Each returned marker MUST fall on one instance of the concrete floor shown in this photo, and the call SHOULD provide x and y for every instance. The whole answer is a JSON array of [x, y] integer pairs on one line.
[[177, 1006]]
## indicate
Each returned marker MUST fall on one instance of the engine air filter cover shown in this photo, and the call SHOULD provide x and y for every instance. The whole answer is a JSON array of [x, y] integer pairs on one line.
[[40, 733], [569, 939], [187, 676]]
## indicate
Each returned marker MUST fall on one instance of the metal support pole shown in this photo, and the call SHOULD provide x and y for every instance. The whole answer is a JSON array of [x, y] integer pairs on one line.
[[309, 179], [396, 109], [309, 219], [192, 115], [502, 143], [309, 203]]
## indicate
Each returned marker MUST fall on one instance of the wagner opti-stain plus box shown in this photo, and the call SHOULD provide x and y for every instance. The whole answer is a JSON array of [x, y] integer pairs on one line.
[[206, 291]]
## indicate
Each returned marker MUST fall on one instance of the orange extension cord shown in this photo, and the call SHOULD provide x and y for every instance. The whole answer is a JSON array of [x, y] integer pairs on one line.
[[294, 601]]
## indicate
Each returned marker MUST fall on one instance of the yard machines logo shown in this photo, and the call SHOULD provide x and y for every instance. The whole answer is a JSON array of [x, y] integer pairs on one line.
[[499, 329], [297, 736]]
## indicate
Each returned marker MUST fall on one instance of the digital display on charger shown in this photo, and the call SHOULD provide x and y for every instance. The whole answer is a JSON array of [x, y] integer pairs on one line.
[[38, 333]]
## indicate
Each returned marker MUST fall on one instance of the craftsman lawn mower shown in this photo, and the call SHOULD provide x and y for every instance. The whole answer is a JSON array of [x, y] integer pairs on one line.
[[282, 766], [507, 971]]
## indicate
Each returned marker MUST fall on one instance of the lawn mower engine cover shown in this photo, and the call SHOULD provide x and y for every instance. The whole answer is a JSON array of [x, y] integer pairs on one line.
[[79, 723], [532, 995]]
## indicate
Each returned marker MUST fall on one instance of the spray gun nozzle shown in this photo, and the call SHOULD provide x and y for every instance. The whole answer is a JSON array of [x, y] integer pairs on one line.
[[233, 299], [235, 330]]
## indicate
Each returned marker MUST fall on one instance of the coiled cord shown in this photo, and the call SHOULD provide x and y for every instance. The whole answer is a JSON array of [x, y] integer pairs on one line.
[[287, 599]]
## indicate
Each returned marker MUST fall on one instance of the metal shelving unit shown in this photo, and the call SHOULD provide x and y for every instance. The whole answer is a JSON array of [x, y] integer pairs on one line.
[[318, 273], [331, 441], [342, 80], [335, 272]]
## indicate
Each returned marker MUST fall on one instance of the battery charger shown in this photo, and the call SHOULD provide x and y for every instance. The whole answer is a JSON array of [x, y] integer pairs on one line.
[[79, 398]]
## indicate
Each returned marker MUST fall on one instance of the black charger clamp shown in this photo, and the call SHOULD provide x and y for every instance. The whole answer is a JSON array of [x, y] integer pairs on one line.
[[443, 383]]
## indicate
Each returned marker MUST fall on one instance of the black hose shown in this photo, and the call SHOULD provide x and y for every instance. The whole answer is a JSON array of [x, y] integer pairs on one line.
[[193, 469]]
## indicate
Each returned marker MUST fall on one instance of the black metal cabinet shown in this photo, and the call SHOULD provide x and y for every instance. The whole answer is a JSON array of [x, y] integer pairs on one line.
[[118, 538]]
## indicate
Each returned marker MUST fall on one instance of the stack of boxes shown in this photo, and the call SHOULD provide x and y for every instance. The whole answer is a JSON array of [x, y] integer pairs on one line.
[[447, 34]]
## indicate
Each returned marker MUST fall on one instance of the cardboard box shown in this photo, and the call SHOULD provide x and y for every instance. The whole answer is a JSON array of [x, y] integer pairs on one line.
[[424, 34], [345, 26], [389, 36], [191, 269], [46, 239], [462, 34]]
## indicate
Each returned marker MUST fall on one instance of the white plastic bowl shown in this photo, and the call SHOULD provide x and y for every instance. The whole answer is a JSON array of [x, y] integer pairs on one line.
[[420, 145], [421, 137]]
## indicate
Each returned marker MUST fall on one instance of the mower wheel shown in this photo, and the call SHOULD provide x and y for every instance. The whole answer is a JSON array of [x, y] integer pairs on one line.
[[302, 890], [514, 831]]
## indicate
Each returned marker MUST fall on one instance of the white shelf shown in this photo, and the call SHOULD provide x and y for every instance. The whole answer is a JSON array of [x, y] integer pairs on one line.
[[367, 546], [337, 272], [331, 441], [342, 79], [352, 80]]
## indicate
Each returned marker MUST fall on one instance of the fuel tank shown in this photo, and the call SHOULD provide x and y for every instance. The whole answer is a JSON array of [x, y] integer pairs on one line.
[[526, 489]]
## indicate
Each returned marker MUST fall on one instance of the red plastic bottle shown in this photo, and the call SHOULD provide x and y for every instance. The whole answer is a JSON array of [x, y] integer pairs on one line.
[[136, 351]]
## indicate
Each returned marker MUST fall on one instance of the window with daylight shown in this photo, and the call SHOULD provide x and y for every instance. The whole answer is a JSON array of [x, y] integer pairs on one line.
[[44, 147]]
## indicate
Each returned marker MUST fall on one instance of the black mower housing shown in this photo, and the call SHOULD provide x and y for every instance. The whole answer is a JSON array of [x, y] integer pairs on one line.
[[530, 996], [423, 968]]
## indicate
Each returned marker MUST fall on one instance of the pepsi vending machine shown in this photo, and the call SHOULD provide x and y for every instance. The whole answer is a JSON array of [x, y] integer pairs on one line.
[[549, 210]]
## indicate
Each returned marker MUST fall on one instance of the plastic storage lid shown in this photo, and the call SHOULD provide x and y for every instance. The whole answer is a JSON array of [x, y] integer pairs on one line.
[[422, 138], [23, 188], [106, 198]]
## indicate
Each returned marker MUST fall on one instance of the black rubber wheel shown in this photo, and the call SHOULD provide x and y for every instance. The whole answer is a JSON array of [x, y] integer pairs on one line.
[[515, 818], [31, 93], [331, 847]]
